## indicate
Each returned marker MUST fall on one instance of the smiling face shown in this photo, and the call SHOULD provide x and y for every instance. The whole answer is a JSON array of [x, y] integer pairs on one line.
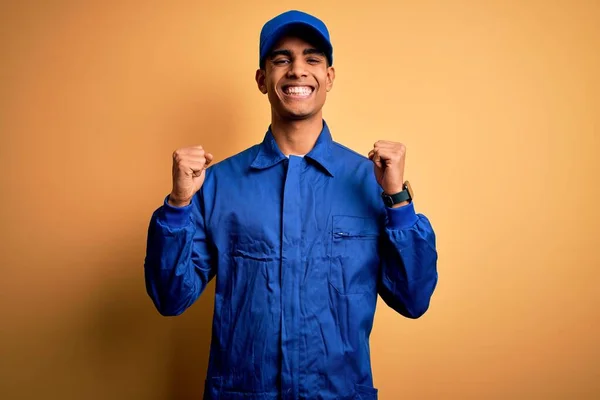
[[296, 77]]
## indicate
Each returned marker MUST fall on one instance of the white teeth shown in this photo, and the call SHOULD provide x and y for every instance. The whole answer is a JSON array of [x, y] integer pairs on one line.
[[299, 90]]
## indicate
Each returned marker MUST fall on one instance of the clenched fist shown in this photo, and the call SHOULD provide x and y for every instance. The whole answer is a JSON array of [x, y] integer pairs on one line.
[[388, 160], [189, 171]]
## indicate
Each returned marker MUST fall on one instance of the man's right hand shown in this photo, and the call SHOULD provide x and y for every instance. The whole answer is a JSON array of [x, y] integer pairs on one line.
[[189, 171]]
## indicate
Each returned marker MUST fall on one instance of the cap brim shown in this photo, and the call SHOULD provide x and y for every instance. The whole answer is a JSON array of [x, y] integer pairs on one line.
[[280, 32]]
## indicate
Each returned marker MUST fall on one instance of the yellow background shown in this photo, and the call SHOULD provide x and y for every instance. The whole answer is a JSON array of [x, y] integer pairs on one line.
[[498, 104]]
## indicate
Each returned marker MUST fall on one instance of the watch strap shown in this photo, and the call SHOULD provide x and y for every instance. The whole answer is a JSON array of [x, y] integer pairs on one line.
[[392, 199]]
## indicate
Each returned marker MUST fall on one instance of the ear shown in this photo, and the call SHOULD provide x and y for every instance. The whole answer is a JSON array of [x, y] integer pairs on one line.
[[330, 78], [260, 80]]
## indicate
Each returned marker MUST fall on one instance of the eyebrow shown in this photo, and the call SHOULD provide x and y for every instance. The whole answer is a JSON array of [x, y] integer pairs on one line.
[[288, 53]]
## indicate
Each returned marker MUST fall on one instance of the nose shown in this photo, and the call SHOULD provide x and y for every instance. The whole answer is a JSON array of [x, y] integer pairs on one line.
[[297, 69]]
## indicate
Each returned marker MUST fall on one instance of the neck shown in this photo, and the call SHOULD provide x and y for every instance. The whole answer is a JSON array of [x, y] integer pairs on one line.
[[296, 137]]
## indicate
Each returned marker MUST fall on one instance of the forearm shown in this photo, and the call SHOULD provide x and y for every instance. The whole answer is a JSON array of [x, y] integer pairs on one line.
[[409, 262], [175, 276]]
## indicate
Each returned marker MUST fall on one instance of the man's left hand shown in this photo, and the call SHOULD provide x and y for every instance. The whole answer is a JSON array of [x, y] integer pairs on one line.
[[388, 160]]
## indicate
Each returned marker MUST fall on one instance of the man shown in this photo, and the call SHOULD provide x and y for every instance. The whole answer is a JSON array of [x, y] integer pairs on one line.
[[301, 234]]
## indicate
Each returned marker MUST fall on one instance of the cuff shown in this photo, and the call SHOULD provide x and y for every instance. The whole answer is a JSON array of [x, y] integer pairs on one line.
[[175, 217], [401, 217]]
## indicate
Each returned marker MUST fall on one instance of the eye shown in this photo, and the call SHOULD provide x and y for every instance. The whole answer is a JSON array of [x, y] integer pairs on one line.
[[313, 60], [281, 61]]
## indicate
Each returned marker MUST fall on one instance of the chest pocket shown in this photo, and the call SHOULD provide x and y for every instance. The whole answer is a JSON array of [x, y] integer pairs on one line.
[[354, 257]]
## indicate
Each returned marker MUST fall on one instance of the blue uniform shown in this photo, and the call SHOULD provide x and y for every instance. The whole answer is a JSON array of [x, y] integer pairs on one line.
[[300, 248]]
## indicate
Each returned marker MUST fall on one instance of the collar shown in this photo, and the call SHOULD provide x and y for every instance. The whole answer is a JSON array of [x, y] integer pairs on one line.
[[269, 153]]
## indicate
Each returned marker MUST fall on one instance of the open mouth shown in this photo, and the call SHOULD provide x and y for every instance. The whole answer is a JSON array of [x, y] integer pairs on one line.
[[298, 92]]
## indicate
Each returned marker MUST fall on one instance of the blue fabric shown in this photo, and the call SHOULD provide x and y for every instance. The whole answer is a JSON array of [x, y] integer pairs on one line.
[[273, 30], [300, 248]]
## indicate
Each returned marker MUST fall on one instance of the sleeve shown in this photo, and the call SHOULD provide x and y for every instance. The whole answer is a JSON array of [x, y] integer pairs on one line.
[[409, 262], [178, 263]]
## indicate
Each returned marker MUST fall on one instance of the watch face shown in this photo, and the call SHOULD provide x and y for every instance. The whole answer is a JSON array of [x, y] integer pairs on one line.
[[409, 189]]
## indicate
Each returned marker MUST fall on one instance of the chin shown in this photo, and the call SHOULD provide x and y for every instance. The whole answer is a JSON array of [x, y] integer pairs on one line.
[[295, 114], [300, 112]]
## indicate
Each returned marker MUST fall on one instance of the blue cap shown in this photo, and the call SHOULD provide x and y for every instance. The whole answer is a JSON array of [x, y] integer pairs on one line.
[[275, 28]]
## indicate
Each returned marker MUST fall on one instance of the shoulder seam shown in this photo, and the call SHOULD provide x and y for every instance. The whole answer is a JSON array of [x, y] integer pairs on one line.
[[350, 150]]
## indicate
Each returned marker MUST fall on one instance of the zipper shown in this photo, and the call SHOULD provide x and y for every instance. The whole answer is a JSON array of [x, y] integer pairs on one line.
[[342, 235]]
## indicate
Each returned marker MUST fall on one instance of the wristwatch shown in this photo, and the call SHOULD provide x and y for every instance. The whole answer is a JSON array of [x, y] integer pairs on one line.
[[405, 195]]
